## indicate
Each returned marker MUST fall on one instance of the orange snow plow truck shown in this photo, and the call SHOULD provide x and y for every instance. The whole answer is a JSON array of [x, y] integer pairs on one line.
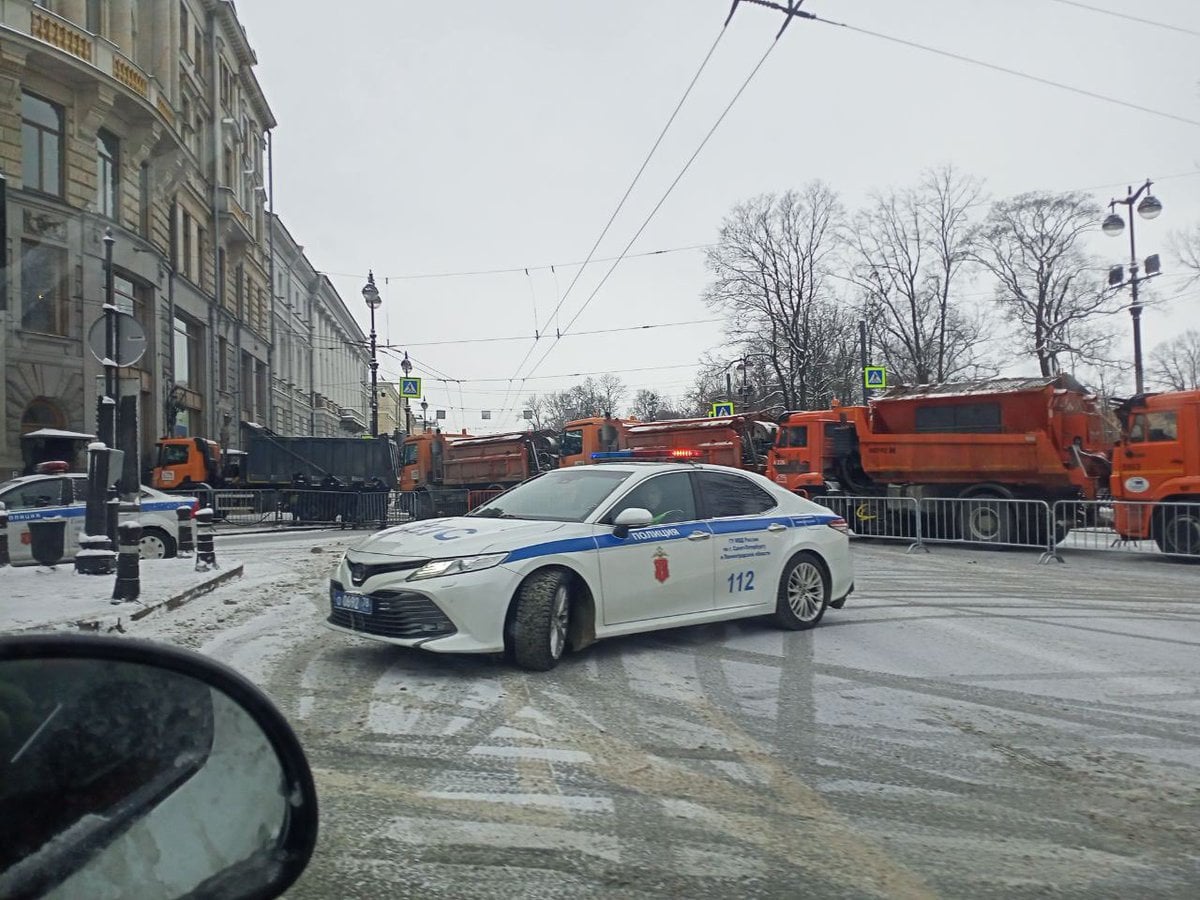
[[1003, 439], [1156, 471], [450, 474]]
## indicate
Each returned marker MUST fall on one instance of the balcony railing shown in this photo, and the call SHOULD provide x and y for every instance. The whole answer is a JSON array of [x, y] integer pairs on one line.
[[239, 224], [41, 24]]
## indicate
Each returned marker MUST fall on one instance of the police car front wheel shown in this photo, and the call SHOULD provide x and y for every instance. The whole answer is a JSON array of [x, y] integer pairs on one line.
[[804, 592], [538, 637]]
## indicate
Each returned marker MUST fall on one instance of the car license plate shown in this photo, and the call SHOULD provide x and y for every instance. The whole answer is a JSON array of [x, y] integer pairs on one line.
[[354, 602]]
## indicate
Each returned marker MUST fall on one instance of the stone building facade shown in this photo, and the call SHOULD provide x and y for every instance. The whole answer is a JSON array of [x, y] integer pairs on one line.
[[143, 118]]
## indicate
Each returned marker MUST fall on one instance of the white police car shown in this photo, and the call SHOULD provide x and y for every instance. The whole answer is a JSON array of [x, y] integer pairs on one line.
[[65, 494], [589, 552]]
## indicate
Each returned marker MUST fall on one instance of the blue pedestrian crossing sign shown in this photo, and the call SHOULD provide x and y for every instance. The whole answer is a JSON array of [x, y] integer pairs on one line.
[[722, 408], [875, 376], [410, 387]]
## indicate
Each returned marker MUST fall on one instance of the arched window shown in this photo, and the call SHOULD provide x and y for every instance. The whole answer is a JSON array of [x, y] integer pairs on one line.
[[42, 412]]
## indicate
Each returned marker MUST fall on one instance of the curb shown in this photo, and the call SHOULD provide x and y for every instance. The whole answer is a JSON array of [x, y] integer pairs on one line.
[[172, 602], [191, 593]]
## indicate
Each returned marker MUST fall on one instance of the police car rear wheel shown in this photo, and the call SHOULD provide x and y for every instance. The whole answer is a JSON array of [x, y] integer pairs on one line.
[[542, 616], [155, 544], [803, 593]]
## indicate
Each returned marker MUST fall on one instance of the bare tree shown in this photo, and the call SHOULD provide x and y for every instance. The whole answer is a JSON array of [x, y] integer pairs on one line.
[[651, 406], [771, 281], [1186, 245], [1175, 364], [591, 397], [1046, 284], [911, 250]]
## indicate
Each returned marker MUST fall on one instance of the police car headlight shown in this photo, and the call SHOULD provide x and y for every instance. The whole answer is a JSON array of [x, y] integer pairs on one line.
[[456, 566]]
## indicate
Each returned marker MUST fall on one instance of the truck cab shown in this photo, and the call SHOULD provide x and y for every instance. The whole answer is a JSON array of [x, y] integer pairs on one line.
[[583, 437], [184, 461], [422, 459], [1158, 461], [810, 449]]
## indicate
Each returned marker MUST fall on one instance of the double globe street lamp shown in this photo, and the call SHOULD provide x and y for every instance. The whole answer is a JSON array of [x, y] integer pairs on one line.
[[371, 295], [1149, 207]]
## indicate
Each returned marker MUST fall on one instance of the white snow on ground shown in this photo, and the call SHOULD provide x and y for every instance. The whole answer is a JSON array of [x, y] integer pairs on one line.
[[247, 622], [34, 598]]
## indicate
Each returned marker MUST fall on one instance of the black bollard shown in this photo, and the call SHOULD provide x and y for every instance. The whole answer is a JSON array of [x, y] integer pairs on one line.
[[47, 538], [206, 554], [112, 514], [129, 583], [183, 515], [4, 560], [96, 555]]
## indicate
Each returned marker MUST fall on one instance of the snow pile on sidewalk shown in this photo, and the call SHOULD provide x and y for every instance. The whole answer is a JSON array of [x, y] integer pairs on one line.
[[33, 598]]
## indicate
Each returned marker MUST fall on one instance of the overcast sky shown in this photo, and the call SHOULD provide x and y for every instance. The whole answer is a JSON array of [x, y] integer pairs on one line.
[[436, 137]]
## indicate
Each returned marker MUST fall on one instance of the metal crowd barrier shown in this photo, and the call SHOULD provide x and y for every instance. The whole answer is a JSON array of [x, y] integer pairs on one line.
[[1168, 529], [886, 518]]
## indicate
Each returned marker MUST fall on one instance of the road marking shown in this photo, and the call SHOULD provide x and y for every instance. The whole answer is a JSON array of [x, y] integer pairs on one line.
[[440, 832], [547, 801]]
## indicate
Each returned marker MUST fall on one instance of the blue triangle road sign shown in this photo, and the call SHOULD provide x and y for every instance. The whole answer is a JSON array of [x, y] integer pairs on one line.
[[875, 376], [410, 387]]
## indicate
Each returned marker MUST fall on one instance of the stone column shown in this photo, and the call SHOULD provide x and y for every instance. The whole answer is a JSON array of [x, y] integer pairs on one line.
[[120, 26]]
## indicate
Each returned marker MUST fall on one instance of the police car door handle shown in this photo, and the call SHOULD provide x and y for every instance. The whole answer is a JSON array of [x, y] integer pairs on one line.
[[775, 526], [699, 536]]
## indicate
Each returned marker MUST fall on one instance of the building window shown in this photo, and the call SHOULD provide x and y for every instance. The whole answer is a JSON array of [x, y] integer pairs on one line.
[[199, 38], [184, 29], [43, 288], [222, 364], [187, 353], [108, 173], [41, 144], [226, 84], [144, 202], [185, 232], [260, 385], [42, 412], [247, 386], [131, 297]]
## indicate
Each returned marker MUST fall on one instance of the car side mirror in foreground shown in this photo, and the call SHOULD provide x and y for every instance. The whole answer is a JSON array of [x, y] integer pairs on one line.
[[634, 517], [136, 769]]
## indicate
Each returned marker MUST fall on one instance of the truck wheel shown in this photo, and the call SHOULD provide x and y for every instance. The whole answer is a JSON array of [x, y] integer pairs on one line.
[[156, 544], [539, 626], [803, 593], [986, 521], [1179, 533]]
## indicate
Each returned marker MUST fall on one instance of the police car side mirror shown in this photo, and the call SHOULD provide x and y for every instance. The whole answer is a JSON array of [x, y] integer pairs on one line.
[[129, 768], [634, 517]]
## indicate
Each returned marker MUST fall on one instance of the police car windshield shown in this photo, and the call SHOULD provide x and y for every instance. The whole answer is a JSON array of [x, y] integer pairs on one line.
[[565, 495]]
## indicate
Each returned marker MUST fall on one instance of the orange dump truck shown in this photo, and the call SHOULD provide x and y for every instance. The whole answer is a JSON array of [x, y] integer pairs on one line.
[[445, 471], [1156, 469], [1006, 438]]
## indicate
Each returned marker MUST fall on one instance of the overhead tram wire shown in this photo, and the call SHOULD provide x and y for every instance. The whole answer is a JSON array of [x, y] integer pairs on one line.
[[663, 199], [1120, 15], [1007, 71], [621, 204], [513, 270]]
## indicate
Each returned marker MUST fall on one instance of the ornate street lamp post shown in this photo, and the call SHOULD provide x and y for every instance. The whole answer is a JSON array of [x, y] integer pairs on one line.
[[1113, 225], [371, 295]]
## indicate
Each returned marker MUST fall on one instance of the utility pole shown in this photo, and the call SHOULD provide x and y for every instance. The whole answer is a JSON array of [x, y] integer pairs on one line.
[[862, 356]]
